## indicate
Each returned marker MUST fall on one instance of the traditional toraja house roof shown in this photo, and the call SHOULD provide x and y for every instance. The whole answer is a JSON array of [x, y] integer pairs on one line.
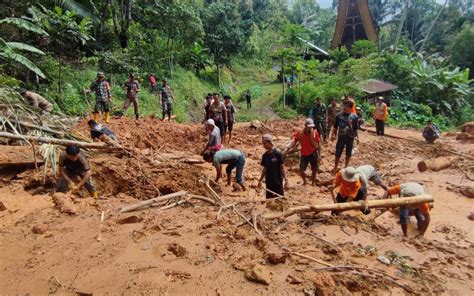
[[373, 86], [354, 22]]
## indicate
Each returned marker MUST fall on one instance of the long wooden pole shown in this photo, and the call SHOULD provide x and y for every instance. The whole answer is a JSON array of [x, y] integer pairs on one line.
[[355, 205], [58, 141], [152, 201]]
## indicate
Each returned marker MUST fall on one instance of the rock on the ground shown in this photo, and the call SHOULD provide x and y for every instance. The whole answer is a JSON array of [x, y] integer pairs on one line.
[[468, 127], [177, 250], [276, 256], [324, 179], [64, 203], [259, 274], [40, 229], [467, 191], [2, 206], [471, 216], [294, 279], [323, 283], [130, 220]]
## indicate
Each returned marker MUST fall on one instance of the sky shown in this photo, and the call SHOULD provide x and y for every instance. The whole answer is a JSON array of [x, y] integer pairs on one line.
[[325, 3]]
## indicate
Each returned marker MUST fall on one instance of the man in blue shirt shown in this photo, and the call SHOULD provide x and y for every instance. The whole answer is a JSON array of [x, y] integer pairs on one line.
[[345, 127], [233, 158]]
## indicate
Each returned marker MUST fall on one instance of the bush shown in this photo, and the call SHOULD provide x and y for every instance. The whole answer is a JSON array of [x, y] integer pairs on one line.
[[363, 48]]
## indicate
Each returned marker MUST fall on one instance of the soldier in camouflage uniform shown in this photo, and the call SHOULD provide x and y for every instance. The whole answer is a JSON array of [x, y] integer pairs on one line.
[[103, 98], [333, 110], [318, 114]]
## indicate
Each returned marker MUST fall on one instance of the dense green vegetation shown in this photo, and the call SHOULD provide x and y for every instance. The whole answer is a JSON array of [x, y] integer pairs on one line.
[[57, 46]]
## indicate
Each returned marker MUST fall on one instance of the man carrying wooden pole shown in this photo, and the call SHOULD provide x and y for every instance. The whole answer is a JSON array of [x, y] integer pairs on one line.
[[421, 210]]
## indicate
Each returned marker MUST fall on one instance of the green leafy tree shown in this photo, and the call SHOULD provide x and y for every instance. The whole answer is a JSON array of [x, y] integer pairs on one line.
[[10, 50], [224, 36], [362, 48], [66, 33], [462, 50], [445, 91]]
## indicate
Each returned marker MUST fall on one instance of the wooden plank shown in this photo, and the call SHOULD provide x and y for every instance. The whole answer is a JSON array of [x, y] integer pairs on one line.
[[18, 156]]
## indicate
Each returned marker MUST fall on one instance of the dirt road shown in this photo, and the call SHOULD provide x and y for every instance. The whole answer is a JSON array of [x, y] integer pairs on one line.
[[185, 250]]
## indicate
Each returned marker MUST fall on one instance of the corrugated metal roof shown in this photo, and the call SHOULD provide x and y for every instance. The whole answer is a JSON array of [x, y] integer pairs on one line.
[[373, 86], [314, 46]]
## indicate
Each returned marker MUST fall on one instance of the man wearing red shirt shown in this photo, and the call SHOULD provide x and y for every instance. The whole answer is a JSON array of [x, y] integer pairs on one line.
[[153, 83], [308, 139]]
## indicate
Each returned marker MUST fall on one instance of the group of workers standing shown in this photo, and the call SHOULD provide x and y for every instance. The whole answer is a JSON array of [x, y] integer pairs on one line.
[[103, 96]]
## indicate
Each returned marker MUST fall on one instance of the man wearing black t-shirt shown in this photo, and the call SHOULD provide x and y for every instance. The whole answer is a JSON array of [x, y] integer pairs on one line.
[[74, 167], [273, 169]]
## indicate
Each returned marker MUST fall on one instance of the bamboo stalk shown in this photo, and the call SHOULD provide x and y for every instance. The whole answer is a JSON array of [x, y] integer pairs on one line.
[[381, 203]]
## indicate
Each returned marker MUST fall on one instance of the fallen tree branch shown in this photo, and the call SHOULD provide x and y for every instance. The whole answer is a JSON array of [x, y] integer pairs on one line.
[[418, 142], [211, 191], [63, 142], [148, 202], [340, 207], [309, 258], [324, 240], [33, 126]]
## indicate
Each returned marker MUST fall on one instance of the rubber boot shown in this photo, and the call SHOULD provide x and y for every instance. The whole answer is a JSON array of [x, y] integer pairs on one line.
[[96, 117], [107, 117], [137, 116]]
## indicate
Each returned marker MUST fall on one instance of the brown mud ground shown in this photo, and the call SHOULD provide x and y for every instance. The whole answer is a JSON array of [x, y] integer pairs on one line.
[[186, 251]]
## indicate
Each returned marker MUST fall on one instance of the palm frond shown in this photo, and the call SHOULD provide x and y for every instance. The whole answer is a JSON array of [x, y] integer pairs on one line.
[[77, 7], [49, 152], [11, 55], [23, 46], [24, 24]]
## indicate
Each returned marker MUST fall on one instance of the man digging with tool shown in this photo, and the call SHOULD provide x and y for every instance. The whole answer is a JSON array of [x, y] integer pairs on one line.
[[73, 166], [233, 158], [309, 152], [350, 188], [273, 169], [420, 211]]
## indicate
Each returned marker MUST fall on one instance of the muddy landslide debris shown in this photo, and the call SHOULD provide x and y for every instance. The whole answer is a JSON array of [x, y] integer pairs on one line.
[[324, 283], [64, 203], [177, 250], [40, 229], [259, 274]]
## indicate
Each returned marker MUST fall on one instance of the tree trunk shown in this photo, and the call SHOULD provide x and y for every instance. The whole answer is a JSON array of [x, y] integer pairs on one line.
[[433, 24], [355, 205], [402, 22], [283, 80], [436, 164], [218, 75], [123, 39], [60, 73]]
